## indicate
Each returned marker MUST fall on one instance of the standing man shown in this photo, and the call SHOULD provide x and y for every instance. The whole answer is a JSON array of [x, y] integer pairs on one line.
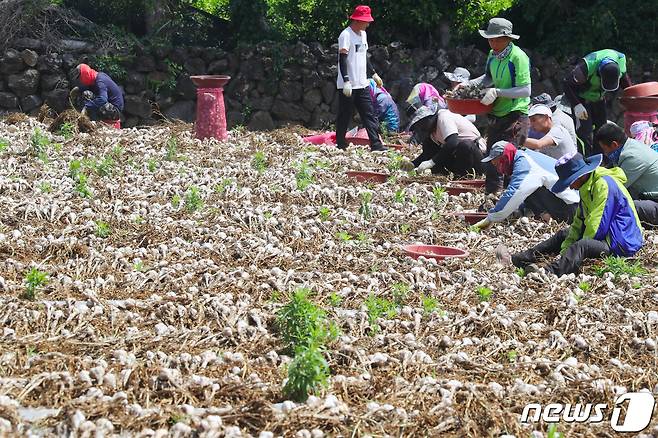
[[507, 73], [555, 140], [352, 80], [103, 97], [586, 85]]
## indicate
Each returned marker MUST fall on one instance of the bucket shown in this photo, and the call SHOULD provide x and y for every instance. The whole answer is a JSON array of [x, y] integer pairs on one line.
[[434, 252]]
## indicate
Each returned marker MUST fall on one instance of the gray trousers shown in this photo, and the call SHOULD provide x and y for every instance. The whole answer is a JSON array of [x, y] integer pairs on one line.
[[647, 211], [571, 260]]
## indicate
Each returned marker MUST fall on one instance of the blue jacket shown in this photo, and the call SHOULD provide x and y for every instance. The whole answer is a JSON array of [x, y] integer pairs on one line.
[[105, 90], [530, 171], [385, 107]]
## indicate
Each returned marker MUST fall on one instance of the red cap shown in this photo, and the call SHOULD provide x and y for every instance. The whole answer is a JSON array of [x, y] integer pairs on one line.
[[362, 13]]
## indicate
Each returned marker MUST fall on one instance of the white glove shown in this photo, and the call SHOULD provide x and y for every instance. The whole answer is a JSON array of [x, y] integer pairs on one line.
[[425, 165], [377, 80], [581, 112], [347, 89], [483, 224], [489, 96]]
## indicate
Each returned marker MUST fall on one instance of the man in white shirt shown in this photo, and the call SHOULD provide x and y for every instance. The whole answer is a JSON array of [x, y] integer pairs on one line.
[[559, 116], [555, 141], [352, 80]]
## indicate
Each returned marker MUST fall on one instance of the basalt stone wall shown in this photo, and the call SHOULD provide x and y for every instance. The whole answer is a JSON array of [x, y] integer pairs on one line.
[[271, 85]]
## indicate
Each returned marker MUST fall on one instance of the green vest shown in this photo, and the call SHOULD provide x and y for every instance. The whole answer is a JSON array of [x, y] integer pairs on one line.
[[512, 71], [595, 92]]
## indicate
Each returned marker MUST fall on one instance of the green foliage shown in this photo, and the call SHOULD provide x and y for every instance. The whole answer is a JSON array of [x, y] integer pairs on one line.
[[484, 293], [67, 130], [343, 236], [405, 228], [399, 196], [172, 149], [304, 176], [302, 324], [76, 173], [552, 432], [45, 187], [439, 194], [152, 164], [221, 188], [175, 201], [520, 272], [40, 142], [112, 65], [377, 307], [325, 213], [193, 200], [400, 292], [619, 266], [259, 161], [429, 303], [4, 144], [307, 373], [395, 161], [335, 299], [512, 355], [584, 286], [103, 229], [34, 280], [364, 209]]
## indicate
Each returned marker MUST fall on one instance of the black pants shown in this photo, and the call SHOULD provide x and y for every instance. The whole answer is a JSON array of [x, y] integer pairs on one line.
[[513, 128], [106, 112], [572, 259], [462, 159], [597, 117], [361, 100], [545, 201], [647, 211]]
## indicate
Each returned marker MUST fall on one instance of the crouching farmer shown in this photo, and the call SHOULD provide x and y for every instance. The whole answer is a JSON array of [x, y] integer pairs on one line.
[[605, 222], [532, 177], [103, 97]]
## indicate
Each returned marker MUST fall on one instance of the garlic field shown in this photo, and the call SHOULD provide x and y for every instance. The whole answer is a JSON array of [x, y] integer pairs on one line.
[[154, 285]]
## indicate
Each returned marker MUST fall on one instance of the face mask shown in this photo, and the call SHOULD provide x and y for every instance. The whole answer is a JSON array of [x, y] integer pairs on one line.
[[614, 156]]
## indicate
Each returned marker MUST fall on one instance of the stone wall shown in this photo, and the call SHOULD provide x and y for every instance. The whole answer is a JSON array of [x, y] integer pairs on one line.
[[271, 85]]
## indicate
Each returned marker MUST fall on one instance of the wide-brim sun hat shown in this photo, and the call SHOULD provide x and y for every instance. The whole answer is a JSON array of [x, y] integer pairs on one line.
[[543, 99], [362, 13], [460, 75], [499, 27], [571, 167]]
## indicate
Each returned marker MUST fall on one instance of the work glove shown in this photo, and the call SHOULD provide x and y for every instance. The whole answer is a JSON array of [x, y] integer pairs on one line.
[[482, 225], [377, 80], [489, 96], [84, 111], [425, 165], [581, 112], [347, 89], [88, 95], [74, 93]]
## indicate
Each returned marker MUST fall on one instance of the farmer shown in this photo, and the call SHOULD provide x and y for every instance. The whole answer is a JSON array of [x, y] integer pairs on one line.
[[586, 85], [507, 73], [352, 79], [423, 94], [640, 164], [450, 142], [532, 177], [645, 132], [605, 222], [559, 117], [459, 76], [555, 141], [103, 97], [385, 107]]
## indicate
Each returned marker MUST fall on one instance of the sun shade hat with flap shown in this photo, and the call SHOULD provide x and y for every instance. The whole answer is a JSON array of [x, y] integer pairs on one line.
[[496, 151], [499, 27], [460, 75]]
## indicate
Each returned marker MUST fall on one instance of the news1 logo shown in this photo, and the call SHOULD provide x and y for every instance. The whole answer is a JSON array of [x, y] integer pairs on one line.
[[638, 412]]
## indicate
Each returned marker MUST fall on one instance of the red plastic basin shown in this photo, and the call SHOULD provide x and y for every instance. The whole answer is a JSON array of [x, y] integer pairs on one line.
[[434, 252], [477, 183], [644, 89], [363, 176], [640, 104], [210, 81], [456, 190], [397, 147], [468, 106], [472, 217]]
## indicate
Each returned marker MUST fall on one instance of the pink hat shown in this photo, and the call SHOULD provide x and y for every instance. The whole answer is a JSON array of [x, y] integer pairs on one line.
[[362, 13]]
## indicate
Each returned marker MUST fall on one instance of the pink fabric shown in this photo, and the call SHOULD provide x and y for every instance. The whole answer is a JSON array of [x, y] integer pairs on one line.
[[506, 163], [87, 75], [360, 138]]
